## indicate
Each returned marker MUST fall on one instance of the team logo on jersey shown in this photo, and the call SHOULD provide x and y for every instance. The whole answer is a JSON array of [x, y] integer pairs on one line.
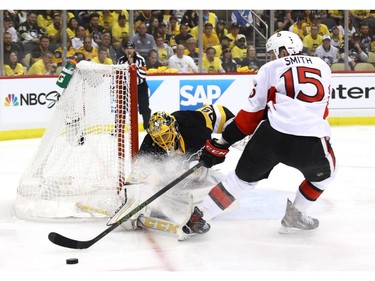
[[196, 93]]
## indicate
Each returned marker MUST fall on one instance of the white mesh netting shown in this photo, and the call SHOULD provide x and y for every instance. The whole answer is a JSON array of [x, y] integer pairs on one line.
[[85, 153]]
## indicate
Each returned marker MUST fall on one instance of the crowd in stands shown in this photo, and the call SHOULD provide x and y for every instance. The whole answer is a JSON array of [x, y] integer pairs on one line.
[[168, 39]]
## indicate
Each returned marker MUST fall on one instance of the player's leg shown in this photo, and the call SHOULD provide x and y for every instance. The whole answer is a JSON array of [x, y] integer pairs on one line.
[[255, 163], [314, 157]]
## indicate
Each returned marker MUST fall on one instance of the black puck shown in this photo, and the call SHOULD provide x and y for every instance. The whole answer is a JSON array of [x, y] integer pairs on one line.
[[72, 261]]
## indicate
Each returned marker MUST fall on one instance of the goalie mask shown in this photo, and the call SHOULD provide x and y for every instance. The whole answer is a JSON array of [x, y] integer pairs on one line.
[[163, 130]]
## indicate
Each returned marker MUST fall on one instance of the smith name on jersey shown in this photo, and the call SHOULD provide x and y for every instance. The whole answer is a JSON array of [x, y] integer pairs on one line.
[[284, 89]]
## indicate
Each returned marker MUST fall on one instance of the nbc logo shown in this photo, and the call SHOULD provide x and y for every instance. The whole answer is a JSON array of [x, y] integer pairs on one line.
[[11, 100]]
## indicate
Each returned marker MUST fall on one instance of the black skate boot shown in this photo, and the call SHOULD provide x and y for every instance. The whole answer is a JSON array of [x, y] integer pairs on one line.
[[195, 225]]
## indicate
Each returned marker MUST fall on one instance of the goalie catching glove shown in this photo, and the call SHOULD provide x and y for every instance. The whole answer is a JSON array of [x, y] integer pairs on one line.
[[213, 153]]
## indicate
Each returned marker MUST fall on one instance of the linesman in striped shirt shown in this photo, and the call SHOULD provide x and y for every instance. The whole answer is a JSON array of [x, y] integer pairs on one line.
[[131, 56]]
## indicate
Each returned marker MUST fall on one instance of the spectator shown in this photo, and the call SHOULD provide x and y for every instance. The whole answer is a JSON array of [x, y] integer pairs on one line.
[[84, 18], [173, 26], [209, 17], [220, 29], [53, 31], [183, 36], [351, 28], [77, 42], [21, 16], [211, 63], [71, 28], [102, 57], [327, 52], [44, 18], [95, 30], [326, 19], [299, 27], [337, 15], [120, 32], [88, 50], [224, 44], [323, 29], [312, 41], [57, 58], [152, 60], [227, 62], [107, 19], [10, 46], [240, 49], [143, 17], [358, 16], [234, 32], [192, 50], [43, 66], [364, 31], [357, 52], [8, 27], [251, 60], [184, 63], [244, 19], [209, 38], [336, 37], [143, 41], [164, 16], [190, 18], [162, 31], [12, 67], [284, 20], [195, 32], [106, 42], [30, 32], [153, 26], [113, 18], [308, 17], [163, 50], [178, 14], [36, 52]]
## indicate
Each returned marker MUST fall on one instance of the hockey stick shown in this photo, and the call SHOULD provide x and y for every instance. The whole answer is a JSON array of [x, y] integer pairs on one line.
[[145, 222], [66, 242]]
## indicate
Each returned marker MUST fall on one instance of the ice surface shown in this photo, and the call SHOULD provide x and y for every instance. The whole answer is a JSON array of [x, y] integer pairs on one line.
[[245, 242]]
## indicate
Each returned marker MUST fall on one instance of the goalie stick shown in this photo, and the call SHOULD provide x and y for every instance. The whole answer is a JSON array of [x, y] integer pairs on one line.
[[66, 242]]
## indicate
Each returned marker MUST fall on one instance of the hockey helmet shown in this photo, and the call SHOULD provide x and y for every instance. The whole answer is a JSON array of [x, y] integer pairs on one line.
[[289, 40], [163, 130]]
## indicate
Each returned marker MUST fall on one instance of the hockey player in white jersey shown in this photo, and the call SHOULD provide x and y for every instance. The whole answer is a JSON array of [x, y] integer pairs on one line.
[[286, 114]]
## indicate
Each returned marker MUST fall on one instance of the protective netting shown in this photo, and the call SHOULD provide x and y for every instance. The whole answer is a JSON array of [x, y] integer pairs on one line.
[[86, 151]]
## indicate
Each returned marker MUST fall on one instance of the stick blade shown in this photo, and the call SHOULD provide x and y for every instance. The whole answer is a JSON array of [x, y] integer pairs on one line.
[[66, 242]]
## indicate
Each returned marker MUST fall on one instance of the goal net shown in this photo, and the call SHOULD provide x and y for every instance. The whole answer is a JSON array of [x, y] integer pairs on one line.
[[86, 152]]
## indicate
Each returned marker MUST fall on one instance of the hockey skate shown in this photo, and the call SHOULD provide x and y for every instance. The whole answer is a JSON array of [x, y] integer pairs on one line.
[[294, 220], [195, 225]]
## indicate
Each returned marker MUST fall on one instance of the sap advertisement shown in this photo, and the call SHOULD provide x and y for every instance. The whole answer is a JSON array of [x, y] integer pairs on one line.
[[29, 102]]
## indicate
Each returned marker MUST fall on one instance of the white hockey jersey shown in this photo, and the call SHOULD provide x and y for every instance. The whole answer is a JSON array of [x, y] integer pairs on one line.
[[295, 91]]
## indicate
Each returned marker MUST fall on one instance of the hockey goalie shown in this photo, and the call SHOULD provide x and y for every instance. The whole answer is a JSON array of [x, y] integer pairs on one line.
[[171, 146]]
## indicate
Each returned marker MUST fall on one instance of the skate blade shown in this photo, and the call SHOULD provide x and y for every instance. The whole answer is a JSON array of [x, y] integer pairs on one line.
[[182, 236], [291, 230]]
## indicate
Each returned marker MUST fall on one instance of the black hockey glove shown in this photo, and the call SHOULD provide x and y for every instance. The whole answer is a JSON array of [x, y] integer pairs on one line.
[[213, 153]]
